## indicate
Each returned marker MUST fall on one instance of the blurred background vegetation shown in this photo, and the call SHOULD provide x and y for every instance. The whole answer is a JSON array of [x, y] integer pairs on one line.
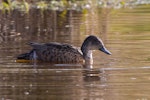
[[61, 5], [72, 17]]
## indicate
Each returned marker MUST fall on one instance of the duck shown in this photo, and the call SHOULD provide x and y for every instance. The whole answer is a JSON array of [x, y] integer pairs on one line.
[[54, 52]]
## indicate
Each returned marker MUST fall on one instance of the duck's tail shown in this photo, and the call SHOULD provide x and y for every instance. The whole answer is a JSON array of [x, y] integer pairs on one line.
[[27, 57]]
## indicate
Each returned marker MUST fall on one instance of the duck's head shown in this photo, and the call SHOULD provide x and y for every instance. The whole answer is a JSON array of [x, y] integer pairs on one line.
[[93, 43]]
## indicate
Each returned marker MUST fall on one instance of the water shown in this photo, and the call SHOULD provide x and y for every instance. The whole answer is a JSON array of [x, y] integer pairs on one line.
[[122, 76]]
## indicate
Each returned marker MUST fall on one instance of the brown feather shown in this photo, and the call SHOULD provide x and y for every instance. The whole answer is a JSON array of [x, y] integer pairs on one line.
[[58, 53]]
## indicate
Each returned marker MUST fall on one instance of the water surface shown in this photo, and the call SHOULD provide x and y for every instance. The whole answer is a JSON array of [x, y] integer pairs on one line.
[[122, 76]]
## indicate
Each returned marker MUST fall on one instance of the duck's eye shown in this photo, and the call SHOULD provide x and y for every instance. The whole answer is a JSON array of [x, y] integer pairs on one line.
[[97, 43]]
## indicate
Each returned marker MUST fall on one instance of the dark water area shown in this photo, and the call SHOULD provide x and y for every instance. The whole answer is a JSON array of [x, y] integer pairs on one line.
[[125, 75]]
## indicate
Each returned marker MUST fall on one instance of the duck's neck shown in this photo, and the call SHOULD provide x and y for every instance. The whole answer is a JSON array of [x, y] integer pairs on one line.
[[87, 53], [88, 57]]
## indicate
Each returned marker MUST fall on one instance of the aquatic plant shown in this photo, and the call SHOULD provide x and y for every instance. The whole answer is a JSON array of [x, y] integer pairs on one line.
[[8, 5], [5, 6], [61, 5], [41, 5], [117, 4]]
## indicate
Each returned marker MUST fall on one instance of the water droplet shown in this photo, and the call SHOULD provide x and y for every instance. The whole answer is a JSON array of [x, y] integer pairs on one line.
[[133, 78], [13, 86], [26, 93], [30, 85], [47, 91], [2, 98]]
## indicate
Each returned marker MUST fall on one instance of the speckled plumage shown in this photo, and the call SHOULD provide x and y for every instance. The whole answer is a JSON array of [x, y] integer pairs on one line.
[[55, 52], [64, 53]]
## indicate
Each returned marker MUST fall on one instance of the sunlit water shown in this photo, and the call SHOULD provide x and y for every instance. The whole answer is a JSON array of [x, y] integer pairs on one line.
[[125, 75]]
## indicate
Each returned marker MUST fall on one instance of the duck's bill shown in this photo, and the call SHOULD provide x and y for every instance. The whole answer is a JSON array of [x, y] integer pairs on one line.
[[103, 49]]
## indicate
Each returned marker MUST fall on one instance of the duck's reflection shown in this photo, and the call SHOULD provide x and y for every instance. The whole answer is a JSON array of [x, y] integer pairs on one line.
[[91, 74], [50, 81]]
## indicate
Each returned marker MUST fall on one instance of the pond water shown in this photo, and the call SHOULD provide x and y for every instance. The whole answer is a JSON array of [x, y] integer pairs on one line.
[[125, 75]]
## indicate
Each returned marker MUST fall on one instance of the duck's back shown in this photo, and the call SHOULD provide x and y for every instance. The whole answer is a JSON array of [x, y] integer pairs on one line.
[[57, 53]]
